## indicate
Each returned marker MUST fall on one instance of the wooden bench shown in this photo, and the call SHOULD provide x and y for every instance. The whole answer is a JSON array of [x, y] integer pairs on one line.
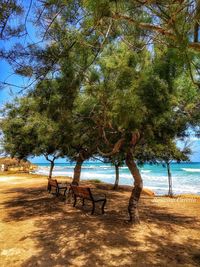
[[85, 193], [53, 183]]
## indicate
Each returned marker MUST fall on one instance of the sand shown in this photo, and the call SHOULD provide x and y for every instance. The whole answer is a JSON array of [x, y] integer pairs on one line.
[[39, 229]]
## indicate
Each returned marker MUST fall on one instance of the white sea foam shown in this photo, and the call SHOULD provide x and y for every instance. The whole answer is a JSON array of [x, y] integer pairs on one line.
[[89, 167], [183, 181], [145, 171], [102, 176], [176, 190], [190, 170], [104, 166]]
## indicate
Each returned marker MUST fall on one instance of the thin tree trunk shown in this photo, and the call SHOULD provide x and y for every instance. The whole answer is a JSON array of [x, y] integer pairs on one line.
[[116, 176], [51, 168], [77, 171], [196, 24], [170, 193], [196, 32], [136, 192]]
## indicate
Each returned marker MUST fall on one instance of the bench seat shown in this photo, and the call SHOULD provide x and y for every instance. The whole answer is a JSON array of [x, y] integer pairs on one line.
[[85, 193], [53, 183]]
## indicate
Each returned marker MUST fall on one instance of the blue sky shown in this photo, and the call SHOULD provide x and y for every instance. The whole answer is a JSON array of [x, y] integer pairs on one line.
[[6, 72], [8, 93]]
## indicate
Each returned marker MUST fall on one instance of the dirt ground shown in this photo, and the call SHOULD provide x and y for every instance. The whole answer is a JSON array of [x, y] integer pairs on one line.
[[40, 229]]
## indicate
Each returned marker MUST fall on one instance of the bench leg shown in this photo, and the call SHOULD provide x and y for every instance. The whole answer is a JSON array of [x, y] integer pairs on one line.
[[93, 207], [57, 191], [103, 205], [49, 188], [74, 201], [65, 192], [83, 203]]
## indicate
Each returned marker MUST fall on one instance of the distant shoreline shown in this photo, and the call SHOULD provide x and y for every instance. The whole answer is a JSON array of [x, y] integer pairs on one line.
[[96, 161], [184, 198], [185, 176]]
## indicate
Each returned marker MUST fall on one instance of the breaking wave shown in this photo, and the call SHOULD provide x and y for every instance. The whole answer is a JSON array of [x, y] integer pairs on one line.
[[190, 170]]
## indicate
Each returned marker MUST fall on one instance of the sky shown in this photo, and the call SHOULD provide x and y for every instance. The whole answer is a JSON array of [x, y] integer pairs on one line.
[[6, 72], [9, 92]]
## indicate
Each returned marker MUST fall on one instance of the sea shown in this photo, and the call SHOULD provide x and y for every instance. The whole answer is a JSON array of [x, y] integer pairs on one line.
[[185, 176]]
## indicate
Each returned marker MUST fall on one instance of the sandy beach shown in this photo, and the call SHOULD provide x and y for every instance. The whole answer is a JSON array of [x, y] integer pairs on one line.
[[39, 229]]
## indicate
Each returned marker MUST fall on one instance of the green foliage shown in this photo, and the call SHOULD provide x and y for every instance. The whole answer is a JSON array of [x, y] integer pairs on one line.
[[146, 96], [100, 81], [17, 133], [26, 71], [34, 125], [10, 10]]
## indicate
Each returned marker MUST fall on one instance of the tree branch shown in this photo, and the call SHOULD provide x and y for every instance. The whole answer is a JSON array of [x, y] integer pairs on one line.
[[115, 150], [154, 28]]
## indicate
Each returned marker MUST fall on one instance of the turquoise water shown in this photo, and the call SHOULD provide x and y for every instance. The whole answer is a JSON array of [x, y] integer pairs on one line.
[[186, 176]]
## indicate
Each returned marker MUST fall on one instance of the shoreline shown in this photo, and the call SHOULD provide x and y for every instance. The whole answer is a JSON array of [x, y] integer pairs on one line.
[[184, 175], [98, 183]]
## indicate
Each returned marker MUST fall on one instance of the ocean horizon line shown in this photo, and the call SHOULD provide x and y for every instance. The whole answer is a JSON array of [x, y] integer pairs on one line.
[[93, 161]]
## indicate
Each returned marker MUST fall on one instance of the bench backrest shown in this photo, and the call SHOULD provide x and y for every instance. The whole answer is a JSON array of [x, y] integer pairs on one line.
[[53, 182], [81, 191]]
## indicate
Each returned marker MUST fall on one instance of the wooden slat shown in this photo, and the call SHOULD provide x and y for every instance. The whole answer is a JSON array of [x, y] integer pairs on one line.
[[53, 182]]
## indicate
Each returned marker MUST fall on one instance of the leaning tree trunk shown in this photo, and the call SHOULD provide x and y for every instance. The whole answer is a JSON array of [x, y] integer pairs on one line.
[[77, 171], [170, 193], [116, 176], [51, 169], [136, 192]]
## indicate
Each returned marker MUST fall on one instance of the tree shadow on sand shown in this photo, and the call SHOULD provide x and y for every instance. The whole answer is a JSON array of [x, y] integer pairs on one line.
[[68, 236]]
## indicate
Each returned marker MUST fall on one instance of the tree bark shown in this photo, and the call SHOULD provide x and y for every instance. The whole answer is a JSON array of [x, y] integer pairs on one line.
[[77, 171], [136, 192], [196, 32], [196, 22], [116, 177], [170, 193], [51, 168]]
